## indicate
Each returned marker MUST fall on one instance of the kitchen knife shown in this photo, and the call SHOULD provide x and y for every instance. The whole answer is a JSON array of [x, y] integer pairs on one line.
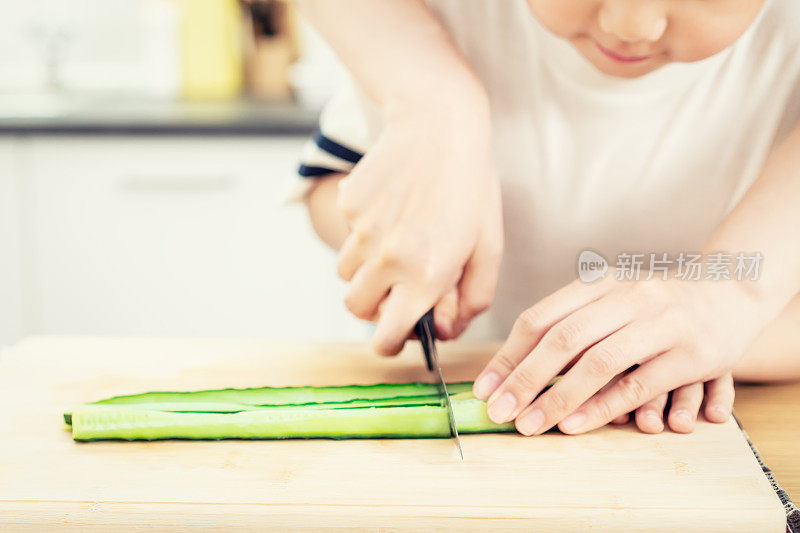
[[426, 333]]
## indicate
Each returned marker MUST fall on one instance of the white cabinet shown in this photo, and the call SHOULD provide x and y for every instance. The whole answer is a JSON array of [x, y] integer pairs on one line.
[[176, 236], [11, 259]]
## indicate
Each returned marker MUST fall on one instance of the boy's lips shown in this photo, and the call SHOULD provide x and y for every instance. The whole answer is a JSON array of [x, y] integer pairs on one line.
[[619, 57]]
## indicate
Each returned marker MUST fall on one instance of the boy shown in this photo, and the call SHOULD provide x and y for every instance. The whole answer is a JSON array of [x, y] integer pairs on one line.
[[632, 128]]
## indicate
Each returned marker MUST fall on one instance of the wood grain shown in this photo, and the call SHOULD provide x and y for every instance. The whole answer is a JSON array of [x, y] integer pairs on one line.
[[612, 479], [771, 416]]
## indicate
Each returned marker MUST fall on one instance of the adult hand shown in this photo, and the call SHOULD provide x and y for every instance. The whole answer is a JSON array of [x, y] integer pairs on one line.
[[681, 334], [424, 211]]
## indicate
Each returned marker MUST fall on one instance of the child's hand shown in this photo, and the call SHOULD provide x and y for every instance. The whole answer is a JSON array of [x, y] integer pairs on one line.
[[424, 212], [681, 333], [715, 398]]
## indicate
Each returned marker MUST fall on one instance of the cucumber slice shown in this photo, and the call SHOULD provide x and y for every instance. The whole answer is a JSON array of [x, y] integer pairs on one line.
[[407, 410], [230, 408], [103, 421], [237, 400], [292, 395]]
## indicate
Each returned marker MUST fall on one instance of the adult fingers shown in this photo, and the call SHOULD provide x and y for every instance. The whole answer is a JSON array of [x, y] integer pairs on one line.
[[686, 402], [367, 222], [352, 255], [661, 374], [596, 368], [558, 346], [529, 329], [650, 416], [719, 399], [355, 191]]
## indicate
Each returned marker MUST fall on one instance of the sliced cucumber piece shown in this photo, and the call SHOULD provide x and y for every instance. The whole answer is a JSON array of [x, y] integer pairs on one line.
[[292, 395], [222, 408], [103, 421], [238, 400]]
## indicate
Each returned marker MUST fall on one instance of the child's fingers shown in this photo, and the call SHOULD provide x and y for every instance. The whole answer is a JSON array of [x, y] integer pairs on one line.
[[529, 329], [719, 399], [625, 345], [445, 315], [657, 376], [559, 346], [686, 402], [479, 280], [621, 419], [367, 289], [624, 418], [459, 327], [650, 416], [398, 313]]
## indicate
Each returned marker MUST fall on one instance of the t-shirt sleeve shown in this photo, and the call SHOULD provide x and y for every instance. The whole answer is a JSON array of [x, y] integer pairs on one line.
[[782, 22], [348, 125]]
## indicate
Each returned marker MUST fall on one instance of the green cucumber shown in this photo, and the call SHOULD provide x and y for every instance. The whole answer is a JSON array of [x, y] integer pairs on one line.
[[238, 400], [103, 421], [406, 410], [293, 395], [231, 408]]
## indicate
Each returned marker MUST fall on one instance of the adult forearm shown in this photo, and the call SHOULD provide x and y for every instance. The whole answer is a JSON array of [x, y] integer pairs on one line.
[[397, 50], [775, 354], [423, 203], [767, 220]]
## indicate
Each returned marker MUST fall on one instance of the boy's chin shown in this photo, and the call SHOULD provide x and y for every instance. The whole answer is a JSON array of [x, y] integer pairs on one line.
[[618, 69]]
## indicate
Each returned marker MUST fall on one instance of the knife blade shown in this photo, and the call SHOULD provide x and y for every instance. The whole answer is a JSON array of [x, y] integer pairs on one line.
[[426, 332]]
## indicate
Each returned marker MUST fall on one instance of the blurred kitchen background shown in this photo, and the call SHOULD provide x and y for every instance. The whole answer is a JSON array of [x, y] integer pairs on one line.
[[145, 150]]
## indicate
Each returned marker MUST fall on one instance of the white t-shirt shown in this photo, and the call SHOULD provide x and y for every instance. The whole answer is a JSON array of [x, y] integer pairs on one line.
[[590, 161]]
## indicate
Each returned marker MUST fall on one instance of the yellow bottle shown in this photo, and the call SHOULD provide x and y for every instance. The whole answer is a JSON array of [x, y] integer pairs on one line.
[[211, 48]]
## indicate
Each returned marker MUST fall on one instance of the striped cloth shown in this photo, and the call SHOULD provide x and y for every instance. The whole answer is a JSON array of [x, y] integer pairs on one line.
[[792, 512], [348, 125]]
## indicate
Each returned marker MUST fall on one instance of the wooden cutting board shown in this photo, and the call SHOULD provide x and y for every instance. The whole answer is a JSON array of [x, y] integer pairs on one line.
[[612, 479]]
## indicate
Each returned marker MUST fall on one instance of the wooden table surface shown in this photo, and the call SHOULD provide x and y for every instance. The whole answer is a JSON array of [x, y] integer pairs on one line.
[[612, 479], [771, 416]]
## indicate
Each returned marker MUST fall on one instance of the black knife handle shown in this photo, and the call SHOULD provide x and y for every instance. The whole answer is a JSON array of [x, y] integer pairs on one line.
[[424, 339]]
